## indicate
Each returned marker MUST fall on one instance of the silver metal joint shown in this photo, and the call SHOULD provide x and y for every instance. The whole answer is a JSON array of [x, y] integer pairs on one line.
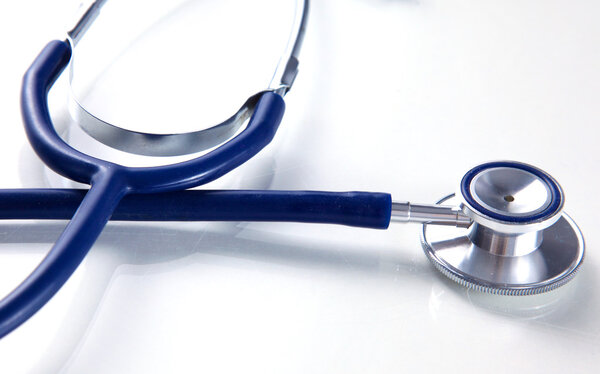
[[87, 13], [287, 68], [429, 213]]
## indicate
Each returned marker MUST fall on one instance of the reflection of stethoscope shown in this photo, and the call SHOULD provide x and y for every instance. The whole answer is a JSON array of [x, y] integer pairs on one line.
[[503, 232]]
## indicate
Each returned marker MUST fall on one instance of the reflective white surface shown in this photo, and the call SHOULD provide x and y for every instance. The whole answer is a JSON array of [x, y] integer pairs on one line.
[[394, 96]]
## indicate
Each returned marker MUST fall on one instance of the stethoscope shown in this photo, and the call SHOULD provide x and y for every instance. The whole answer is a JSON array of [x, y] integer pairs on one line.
[[503, 232]]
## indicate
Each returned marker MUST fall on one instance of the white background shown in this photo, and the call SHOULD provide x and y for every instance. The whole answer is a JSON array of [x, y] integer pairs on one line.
[[393, 96]]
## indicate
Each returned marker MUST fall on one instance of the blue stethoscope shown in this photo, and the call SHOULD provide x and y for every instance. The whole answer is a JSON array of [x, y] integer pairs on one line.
[[507, 235]]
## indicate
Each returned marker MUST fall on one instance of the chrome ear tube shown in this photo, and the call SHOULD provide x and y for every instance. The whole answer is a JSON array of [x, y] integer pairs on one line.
[[182, 143], [519, 242]]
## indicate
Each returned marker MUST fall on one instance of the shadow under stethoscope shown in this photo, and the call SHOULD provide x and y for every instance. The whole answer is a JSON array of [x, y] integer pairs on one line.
[[147, 244]]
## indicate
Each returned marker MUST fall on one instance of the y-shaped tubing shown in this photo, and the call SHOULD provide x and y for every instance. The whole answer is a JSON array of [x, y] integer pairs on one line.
[[109, 182]]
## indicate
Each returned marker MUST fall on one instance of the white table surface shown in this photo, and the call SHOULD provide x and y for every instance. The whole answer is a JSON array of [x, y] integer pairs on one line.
[[393, 96]]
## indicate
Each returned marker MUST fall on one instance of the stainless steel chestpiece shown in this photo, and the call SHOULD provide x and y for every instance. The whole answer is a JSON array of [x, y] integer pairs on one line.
[[519, 242]]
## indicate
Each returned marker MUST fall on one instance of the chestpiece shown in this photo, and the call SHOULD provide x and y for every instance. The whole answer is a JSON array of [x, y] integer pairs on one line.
[[520, 241]]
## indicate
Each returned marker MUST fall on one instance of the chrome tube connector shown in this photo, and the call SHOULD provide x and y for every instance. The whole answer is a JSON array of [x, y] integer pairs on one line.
[[88, 11], [287, 68], [406, 212]]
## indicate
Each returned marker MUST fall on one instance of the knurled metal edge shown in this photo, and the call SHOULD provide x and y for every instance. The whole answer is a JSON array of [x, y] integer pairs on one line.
[[482, 287]]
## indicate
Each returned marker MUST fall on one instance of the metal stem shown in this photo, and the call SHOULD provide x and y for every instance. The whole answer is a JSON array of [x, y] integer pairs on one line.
[[406, 212], [88, 11], [287, 68]]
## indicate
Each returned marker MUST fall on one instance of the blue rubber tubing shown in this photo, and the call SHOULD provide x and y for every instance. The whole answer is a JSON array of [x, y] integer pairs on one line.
[[77, 166], [111, 183], [359, 209]]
